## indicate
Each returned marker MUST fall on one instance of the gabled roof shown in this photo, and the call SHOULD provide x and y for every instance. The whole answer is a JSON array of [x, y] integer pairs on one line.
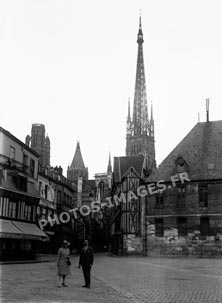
[[123, 164], [77, 162], [8, 134], [201, 151]]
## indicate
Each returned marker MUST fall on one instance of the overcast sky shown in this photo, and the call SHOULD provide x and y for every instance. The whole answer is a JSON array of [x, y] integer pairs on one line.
[[71, 65]]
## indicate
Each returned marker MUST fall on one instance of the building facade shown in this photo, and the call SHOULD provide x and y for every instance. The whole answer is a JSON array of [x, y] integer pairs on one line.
[[129, 174], [19, 199], [57, 200], [186, 217], [47, 208], [101, 220]]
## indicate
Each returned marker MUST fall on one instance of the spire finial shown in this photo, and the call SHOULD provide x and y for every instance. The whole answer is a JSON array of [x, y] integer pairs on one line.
[[109, 167], [140, 33]]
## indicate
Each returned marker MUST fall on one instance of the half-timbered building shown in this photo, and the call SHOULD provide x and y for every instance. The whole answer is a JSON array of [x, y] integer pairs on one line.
[[127, 230]]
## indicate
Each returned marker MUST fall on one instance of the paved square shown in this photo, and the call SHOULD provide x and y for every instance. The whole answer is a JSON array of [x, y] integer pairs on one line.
[[117, 279]]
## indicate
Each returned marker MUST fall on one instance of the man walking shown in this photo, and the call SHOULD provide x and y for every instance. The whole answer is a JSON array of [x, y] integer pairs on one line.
[[86, 261]]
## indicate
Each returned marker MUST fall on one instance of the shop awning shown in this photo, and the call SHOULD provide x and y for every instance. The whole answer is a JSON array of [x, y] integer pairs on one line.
[[8, 229], [30, 230], [21, 230]]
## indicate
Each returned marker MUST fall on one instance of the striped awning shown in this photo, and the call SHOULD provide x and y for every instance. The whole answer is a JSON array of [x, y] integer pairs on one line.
[[21, 230]]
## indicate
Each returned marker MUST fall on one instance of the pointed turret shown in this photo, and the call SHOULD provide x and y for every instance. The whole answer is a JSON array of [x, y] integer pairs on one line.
[[77, 161], [109, 167]]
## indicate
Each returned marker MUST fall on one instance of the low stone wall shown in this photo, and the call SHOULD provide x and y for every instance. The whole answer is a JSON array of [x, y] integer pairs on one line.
[[183, 247], [194, 244]]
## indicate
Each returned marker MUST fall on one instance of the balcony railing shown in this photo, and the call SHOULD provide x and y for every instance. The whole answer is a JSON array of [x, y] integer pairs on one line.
[[13, 165]]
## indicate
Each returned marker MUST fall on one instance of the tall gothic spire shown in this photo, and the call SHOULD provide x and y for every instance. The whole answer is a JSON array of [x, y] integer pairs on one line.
[[140, 130], [140, 112], [109, 167]]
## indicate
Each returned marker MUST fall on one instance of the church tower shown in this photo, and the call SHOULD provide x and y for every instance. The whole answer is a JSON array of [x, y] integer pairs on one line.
[[77, 169], [140, 129], [40, 143]]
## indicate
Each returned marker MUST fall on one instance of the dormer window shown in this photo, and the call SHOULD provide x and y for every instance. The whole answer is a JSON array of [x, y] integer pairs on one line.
[[181, 165]]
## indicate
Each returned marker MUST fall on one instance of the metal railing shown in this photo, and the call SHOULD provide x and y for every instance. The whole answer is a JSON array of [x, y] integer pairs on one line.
[[13, 164]]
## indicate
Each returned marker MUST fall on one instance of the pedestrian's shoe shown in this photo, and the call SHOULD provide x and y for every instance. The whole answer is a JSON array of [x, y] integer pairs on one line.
[[63, 284], [84, 286], [88, 286]]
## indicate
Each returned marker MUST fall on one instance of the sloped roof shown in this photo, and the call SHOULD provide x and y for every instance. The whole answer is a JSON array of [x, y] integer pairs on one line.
[[77, 162], [201, 150], [122, 164]]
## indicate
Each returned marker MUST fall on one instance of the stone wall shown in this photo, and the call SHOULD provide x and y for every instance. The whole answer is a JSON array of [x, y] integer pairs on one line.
[[132, 245], [192, 245]]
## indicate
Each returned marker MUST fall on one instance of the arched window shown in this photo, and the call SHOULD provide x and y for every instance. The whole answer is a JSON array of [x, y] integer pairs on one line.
[[181, 165]]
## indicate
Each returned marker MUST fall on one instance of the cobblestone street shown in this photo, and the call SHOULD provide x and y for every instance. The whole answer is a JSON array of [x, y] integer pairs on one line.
[[119, 280]]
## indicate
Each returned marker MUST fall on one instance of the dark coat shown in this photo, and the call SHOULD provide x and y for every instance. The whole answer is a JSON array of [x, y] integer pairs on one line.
[[86, 257]]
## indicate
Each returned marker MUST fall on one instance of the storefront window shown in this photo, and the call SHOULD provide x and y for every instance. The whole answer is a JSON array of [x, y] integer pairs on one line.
[[26, 245]]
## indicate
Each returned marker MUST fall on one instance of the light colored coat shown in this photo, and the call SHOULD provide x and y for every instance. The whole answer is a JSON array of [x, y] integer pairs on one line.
[[62, 261]]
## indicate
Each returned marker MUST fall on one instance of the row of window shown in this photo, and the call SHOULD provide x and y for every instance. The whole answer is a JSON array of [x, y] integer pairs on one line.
[[10, 245], [67, 199], [44, 213], [17, 210], [181, 197], [182, 226], [26, 165]]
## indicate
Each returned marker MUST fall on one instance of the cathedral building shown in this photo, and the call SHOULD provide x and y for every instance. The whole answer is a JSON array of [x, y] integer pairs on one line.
[[130, 172]]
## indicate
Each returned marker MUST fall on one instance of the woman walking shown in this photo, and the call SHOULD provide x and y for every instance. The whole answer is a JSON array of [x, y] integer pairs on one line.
[[63, 263]]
